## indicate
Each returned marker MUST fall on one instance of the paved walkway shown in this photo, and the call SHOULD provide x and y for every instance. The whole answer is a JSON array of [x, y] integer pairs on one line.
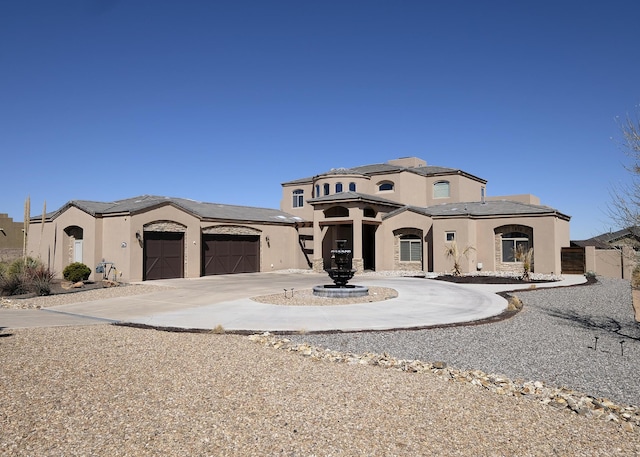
[[212, 301]]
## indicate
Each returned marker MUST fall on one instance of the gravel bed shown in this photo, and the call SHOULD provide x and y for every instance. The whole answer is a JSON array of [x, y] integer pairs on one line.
[[118, 391], [552, 340], [78, 296]]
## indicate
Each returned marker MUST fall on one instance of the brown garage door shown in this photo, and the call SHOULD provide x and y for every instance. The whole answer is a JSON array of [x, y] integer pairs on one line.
[[227, 254], [163, 255]]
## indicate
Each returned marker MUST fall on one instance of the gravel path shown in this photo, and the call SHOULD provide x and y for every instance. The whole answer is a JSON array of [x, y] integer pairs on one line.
[[551, 340]]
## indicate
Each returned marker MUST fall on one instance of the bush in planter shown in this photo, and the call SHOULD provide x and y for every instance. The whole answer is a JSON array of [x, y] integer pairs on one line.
[[76, 271]]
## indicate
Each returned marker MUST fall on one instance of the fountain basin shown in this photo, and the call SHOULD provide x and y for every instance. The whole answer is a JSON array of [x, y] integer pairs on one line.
[[334, 291]]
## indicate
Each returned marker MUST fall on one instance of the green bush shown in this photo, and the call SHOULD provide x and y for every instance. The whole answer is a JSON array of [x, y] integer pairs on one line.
[[76, 271]]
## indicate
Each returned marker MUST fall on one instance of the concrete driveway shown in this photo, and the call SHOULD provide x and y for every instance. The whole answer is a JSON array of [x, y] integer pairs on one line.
[[212, 301]]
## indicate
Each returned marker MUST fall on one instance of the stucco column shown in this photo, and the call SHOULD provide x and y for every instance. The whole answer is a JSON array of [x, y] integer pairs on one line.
[[356, 216], [318, 236]]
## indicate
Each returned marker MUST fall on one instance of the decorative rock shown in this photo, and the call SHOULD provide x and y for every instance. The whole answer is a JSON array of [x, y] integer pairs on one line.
[[560, 398]]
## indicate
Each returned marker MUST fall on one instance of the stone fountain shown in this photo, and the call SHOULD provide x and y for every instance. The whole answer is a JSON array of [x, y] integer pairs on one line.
[[341, 273]]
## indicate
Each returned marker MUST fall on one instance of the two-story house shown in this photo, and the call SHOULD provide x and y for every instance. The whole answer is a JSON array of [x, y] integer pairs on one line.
[[401, 215]]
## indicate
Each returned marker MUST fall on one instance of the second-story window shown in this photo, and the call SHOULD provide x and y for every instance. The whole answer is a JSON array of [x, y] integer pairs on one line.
[[352, 187], [326, 189], [441, 189], [338, 187], [385, 186], [298, 198]]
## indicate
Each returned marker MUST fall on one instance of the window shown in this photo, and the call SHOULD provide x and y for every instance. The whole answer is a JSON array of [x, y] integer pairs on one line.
[[385, 185], [336, 211], [450, 237], [410, 248], [352, 187], [441, 189], [298, 198], [326, 189], [317, 190], [511, 243], [338, 187], [369, 212]]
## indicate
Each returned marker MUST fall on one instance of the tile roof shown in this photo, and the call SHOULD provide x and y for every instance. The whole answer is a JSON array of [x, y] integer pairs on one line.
[[379, 168], [480, 209], [203, 210], [353, 196]]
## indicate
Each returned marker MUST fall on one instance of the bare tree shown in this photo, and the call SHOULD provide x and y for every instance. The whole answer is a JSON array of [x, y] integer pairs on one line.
[[624, 208]]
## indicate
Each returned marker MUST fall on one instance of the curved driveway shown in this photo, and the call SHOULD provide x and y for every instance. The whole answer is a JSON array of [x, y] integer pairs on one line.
[[209, 302]]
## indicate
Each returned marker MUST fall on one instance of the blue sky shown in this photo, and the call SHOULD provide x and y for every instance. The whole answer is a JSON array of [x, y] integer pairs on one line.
[[222, 101]]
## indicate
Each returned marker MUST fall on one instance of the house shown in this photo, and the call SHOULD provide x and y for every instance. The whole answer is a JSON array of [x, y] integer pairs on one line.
[[401, 215], [398, 215]]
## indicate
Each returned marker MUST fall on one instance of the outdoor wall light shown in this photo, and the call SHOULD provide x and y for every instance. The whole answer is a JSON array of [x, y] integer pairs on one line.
[[138, 236], [3, 232]]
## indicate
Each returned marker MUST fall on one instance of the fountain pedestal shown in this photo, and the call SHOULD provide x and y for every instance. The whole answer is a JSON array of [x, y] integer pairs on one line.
[[341, 274]]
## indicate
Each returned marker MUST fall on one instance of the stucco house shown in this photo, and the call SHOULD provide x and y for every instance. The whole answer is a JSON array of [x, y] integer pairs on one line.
[[398, 215]]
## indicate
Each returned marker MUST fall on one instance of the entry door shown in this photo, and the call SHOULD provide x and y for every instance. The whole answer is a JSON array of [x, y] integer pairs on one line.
[[77, 251]]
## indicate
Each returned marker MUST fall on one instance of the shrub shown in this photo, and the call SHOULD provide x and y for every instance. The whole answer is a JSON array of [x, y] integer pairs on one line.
[[13, 285], [39, 280], [25, 275], [635, 277], [76, 271]]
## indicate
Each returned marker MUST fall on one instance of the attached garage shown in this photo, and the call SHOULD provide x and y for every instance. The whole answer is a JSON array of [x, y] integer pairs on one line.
[[229, 254], [163, 255]]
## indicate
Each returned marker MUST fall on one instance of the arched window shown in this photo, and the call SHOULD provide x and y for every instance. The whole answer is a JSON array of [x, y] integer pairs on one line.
[[336, 211], [338, 187], [385, 186], [410, 248], [326, 189], [298, 198], [352, 187], [512, 243], [441, 189], [317, 191]]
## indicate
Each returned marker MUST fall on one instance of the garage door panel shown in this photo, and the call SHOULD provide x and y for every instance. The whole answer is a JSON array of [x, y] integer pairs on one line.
[[228, 254], [163, 255]]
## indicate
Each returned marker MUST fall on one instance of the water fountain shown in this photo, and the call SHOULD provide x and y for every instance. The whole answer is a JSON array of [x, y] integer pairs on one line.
[[341, 273]]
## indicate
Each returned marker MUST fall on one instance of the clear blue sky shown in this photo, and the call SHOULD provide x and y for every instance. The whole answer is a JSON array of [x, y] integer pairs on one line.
[[221, 101]]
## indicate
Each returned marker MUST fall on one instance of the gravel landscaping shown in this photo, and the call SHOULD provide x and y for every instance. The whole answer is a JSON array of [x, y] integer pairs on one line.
[[552, 340], [120, 391]]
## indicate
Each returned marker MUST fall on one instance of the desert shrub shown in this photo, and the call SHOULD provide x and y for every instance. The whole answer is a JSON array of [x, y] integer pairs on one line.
[[635, 277], [19, 266], [13, 285], [23, 276], [76, 271], [39, 279]]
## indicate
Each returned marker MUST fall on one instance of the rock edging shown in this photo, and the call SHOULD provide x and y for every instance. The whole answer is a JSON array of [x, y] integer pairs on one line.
[[628, 417]]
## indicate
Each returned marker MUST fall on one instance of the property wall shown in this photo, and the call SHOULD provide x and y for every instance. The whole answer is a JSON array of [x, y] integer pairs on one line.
[[610, 263], [11, 238]]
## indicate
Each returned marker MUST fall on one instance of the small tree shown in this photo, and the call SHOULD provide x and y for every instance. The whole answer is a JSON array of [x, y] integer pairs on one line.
[[624, 208], [452, 252], [526, 257]]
